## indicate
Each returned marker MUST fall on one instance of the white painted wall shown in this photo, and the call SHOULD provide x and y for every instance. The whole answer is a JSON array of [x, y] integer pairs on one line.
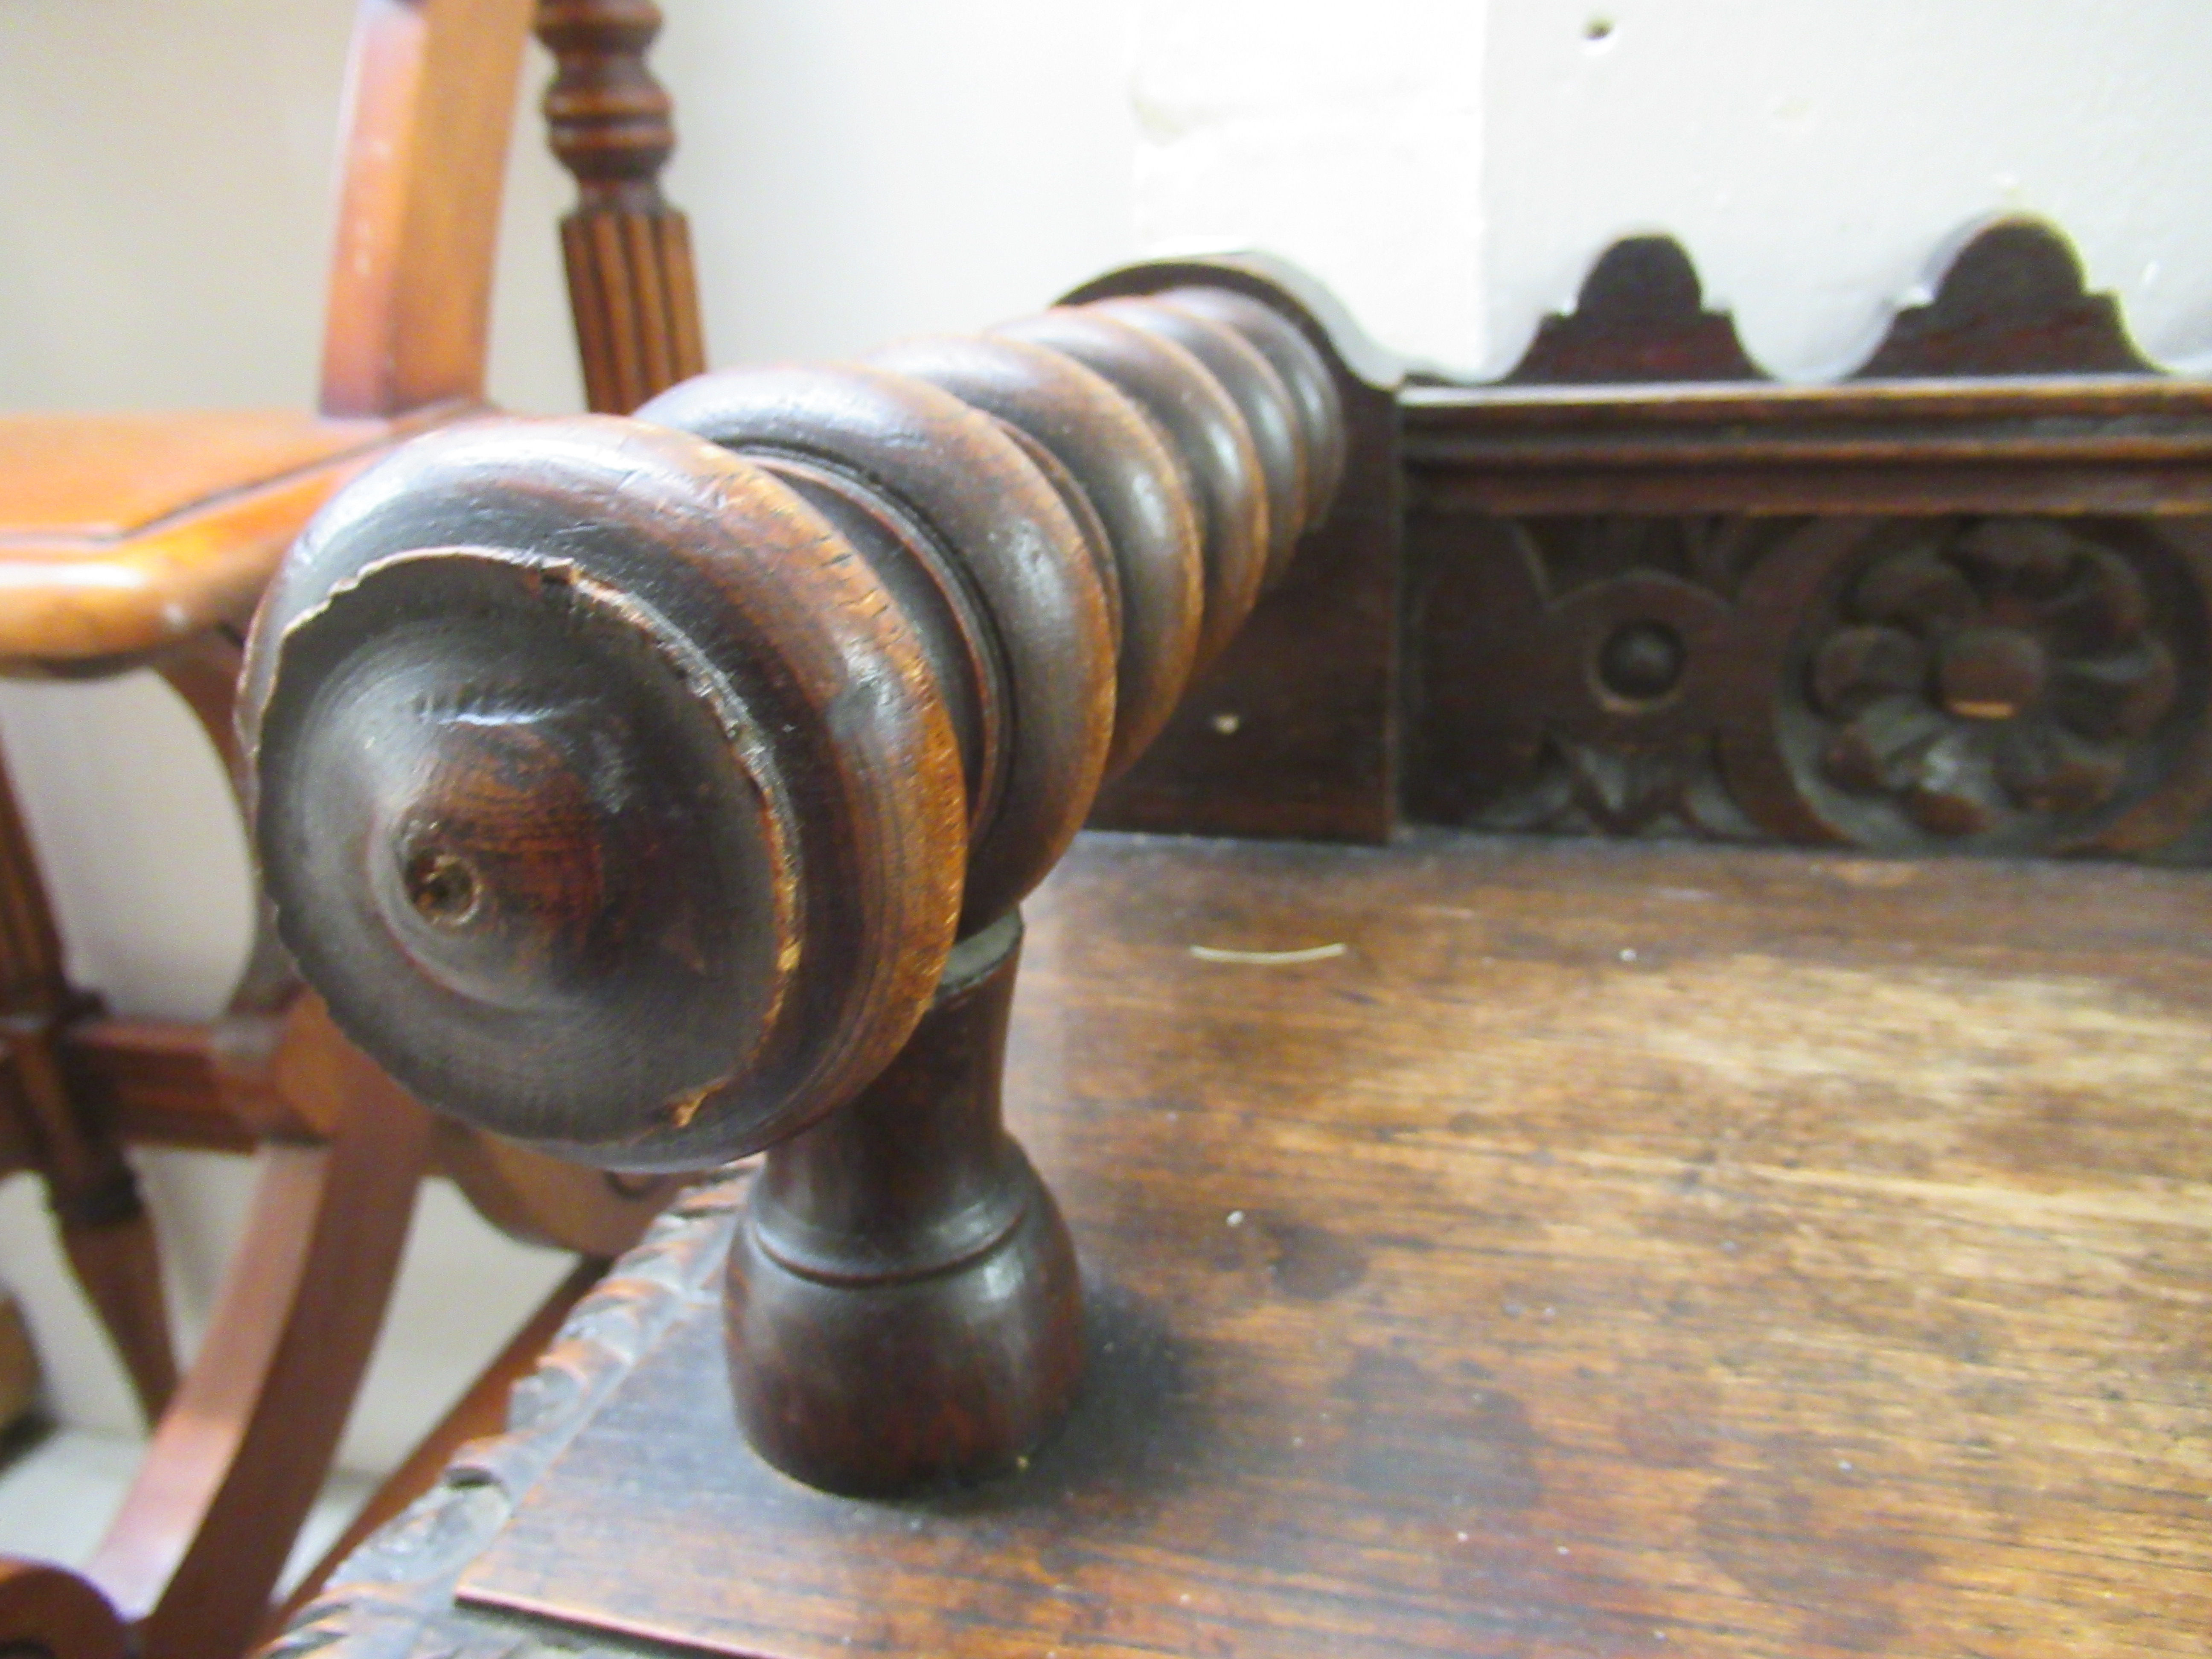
[[1812, 153], [1278, 127], [857, 169]]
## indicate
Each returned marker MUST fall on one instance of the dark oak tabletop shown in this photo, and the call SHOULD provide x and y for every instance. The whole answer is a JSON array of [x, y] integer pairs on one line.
[[1493, 1248]]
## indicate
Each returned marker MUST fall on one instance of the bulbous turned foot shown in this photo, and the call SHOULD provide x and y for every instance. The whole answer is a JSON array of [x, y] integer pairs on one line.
[[876, 1388], [903, 1309]]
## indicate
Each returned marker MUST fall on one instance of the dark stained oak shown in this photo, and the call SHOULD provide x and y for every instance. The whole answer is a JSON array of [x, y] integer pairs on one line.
[[903, 1304], [522, 902], [2064, 444], [660, 791], [1271, 414], [1263, 744], [2009, 300], [1121, 466], [1041, 615], [1305, 376], [1206, 431], [1717, 607], [1639, 316], [1504, 1247], [1610, 1251]]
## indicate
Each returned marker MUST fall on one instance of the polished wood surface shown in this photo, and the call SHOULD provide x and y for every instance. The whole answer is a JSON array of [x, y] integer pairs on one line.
[[120, 534], [237, 1461], [504, 860], [901, 1307], [479, 1413], [430, 94], [579, 857], [678, 843], [178, 1083], [2044, 444], [1514, 1248], [1527, 1248], [1126, 475], [54, 1614], [106, 1234], [95, 478], [631, 287], [1266, 742], [146, 539], [123, 534]]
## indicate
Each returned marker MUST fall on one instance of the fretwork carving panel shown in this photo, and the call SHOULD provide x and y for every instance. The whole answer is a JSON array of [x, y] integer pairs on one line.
[[2011, 684]]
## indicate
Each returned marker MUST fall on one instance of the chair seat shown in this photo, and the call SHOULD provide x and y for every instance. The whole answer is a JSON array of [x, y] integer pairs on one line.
[[123, 533]]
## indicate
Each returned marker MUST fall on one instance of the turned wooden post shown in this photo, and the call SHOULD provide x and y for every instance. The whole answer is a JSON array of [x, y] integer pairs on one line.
[[76, 1149], [660, 791], [631, 287]]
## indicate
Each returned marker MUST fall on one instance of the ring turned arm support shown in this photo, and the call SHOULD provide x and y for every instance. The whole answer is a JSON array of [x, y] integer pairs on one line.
[[658, 791]]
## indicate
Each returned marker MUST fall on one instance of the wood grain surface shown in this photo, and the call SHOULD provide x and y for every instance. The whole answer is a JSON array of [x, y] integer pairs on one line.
[[1606, 1250], [123, 534], [1292, 730], [93, 478], [632, 287], [431, 100]]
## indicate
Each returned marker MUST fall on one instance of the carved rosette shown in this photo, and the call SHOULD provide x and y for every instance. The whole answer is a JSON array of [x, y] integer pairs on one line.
[[1590, 662], [1726, 641], [1995, 684], [1983, 685]]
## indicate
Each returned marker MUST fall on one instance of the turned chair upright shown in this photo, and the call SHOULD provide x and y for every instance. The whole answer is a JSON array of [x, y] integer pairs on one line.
[[140, 540]]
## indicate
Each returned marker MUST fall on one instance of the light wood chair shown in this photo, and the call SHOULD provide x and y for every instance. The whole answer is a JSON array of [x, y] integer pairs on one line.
[[144, 540]]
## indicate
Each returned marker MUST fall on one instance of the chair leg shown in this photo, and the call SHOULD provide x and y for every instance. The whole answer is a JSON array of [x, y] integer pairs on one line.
[[104, 1226], [236, 1464], [480, 1412], [117, 1262]]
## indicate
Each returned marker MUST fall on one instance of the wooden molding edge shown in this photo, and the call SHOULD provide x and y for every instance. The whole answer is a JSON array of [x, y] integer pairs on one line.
[[2007, 299], [399, 1586]]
